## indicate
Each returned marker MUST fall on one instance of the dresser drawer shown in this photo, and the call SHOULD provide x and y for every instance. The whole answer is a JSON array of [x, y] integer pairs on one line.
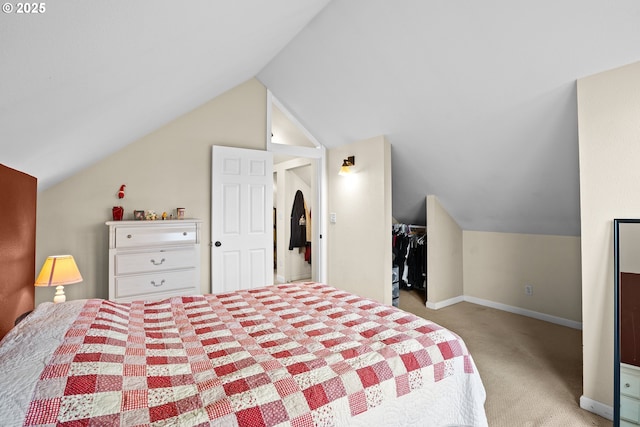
[[127, 237], [629, 409], [146, 262], [147, 284], [629, 383]]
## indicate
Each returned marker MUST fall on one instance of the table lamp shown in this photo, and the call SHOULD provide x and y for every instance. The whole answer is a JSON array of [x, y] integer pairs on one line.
[[59, 270]]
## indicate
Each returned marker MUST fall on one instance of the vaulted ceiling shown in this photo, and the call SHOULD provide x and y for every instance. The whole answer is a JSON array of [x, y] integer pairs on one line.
[[478, 99]]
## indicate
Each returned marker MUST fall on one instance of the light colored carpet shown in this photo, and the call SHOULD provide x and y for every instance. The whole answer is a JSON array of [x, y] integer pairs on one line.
[[531, 369]]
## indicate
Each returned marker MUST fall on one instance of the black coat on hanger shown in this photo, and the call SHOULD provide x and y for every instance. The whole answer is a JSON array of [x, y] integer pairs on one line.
[[298, 223]]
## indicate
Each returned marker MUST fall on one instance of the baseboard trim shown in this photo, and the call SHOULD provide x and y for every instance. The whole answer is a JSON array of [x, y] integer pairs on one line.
[[598, 408], [509, 308], [524, 312], [445, 303]]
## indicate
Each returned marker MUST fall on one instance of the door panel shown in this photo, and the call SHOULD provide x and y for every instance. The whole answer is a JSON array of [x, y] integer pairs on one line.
[[231, 208], [257, 211], [241, 223]]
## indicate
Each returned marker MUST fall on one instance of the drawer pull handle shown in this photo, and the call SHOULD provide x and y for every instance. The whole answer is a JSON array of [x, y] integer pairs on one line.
[[184, 233], [128, 236], [153, 261], [627, 385], [153, 282]]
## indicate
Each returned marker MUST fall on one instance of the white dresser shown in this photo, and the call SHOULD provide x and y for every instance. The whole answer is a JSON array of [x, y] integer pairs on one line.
[[152, 260], [629, 395]]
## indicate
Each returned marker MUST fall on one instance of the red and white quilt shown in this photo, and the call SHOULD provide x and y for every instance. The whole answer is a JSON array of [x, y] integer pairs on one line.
[[301, 354]]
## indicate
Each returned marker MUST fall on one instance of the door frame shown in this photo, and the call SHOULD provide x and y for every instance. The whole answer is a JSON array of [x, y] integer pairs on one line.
[[318, 153]]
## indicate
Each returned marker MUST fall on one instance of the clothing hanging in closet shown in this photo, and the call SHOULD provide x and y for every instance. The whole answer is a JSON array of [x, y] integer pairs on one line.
[[298, 237], [410, 255]]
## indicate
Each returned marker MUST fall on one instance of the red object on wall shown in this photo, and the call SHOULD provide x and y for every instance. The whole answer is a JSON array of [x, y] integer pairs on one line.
[[118, 213], [17, 246]]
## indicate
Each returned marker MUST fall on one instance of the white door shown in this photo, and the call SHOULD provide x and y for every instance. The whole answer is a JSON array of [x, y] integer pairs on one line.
[[241, 219]]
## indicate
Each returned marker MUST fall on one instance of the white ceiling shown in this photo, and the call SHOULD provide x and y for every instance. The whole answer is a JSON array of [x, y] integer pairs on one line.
[[478, 99]]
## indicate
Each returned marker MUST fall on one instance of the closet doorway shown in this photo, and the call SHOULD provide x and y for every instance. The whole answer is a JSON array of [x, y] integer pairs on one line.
[[293, 256], [409, 262], [298, 165]]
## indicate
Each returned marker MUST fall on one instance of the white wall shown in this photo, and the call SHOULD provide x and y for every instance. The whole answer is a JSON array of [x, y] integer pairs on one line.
[[444, 255], [609, 132], [168, 168], [359, 243]]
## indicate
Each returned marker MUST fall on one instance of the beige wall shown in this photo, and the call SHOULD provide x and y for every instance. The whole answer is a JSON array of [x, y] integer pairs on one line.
[[444, 255], [493, 268], [609, 130], [359, 243], [497, 266], [168, 168], [171, 167]]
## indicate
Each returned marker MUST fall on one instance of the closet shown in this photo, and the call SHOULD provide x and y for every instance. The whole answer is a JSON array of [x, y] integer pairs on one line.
[[409, 248]]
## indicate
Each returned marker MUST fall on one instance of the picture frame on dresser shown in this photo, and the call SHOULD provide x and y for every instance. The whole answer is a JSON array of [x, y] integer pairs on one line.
[[154, 260]]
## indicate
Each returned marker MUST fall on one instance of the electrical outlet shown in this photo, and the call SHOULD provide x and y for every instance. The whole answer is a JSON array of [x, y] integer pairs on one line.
[[528, 290], [332, 217]]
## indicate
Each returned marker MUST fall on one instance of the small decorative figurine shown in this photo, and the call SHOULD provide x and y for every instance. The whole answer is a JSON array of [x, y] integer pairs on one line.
[[118, 211], [164, 215]]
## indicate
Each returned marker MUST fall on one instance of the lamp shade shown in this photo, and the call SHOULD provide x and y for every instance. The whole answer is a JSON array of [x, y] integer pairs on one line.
[[346, 165], [59, 270]]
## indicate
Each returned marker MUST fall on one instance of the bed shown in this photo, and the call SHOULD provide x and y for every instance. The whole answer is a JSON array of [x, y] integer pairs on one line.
[[299, 354]]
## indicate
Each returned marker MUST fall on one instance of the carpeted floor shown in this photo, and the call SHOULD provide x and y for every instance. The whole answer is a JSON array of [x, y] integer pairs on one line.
[[531, 369]]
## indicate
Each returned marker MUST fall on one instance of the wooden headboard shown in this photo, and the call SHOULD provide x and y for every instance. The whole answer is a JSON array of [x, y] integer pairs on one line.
[[17, 245]]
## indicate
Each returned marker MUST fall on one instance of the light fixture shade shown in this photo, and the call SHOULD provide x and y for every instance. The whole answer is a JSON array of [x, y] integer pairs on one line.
[[346, 165], [59, 270]]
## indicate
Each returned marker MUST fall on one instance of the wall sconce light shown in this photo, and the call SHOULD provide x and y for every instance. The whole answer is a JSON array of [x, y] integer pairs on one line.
[[346, 165]]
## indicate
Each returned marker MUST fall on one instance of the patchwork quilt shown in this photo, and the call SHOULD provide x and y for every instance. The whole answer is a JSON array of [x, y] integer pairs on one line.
[[302, 354]]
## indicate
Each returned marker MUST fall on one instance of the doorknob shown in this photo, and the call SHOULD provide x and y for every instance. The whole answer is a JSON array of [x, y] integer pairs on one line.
[[218, 244]]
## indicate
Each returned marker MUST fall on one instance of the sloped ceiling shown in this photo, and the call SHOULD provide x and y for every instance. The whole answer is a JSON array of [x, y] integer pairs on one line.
[[86, 78], [478, 99]]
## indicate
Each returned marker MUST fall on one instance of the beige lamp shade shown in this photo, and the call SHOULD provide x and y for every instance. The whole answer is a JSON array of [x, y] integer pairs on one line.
[[59, 270]]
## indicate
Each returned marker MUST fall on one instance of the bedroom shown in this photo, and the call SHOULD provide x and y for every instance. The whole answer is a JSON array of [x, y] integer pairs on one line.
[[70, 215]]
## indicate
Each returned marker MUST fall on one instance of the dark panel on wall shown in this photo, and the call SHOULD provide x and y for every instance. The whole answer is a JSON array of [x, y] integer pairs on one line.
[[630, 318], [17, 245]]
